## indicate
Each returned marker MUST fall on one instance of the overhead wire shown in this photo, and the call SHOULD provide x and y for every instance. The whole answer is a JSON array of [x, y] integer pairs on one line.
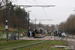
[[29, 1], [26, 1], [45, 12], [35, 2], [42, 7], [31, 13], [41, 2], [33, 16], [18, 1]]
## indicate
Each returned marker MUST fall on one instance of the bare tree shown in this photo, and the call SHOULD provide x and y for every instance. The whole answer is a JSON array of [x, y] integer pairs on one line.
[[69, 25], [3, 4], [52, 27]]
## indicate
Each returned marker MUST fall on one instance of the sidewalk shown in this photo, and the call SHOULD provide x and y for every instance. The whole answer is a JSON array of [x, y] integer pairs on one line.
[[72, 44]]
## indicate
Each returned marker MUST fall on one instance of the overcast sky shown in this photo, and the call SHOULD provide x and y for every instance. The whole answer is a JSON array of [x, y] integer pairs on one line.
[[59, 13]]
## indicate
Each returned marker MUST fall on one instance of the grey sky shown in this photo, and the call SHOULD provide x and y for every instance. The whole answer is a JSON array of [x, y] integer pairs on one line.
[[59, 13]]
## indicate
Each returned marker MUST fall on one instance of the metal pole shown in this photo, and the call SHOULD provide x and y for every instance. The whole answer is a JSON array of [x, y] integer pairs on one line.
[[54, 36], [6, 20], [18, 26], [72, 28], [28, 24], [67, 32], [23, 28], [35, 23]]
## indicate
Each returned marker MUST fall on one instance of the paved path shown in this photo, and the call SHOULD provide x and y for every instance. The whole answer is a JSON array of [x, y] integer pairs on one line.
[[71, 44], [32, 38], [48, 38], [72, 36]]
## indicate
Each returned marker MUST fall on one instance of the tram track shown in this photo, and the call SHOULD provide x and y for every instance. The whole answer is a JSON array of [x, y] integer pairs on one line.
[[31, 45], [24, 45], [15, 45]]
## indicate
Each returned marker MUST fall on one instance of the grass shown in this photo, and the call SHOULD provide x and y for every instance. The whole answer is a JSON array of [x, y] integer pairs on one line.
[[47, 46], [13, 29], [2, 39], [47, 34], [43, 46], [2, 28], [12, 42], [20, 45]]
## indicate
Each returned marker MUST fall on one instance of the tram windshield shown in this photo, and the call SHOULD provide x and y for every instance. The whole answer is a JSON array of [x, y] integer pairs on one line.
[[38, 31]]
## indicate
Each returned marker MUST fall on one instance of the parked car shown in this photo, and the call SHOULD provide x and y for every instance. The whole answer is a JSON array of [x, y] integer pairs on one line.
[[63, 34]]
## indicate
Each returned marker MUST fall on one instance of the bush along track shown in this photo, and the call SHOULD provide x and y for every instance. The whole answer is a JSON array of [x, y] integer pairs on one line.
[[23, 45]]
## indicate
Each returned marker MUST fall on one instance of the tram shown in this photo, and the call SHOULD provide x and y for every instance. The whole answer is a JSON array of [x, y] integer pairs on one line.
[[39, 32]]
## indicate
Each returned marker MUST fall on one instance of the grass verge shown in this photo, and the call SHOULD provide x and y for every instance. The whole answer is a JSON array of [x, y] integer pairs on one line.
[[13, 42], [47, 46], [22, 45]]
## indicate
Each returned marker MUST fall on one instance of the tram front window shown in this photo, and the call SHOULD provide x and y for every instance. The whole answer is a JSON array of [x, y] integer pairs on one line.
[[38, 31]]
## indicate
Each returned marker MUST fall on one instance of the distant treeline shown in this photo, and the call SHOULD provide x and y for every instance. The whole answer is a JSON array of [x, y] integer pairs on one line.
[[68, 25]]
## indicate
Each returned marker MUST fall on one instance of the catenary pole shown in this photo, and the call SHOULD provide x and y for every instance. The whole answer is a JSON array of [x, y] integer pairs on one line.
[[6, 20], [35, 23], [28, 23]]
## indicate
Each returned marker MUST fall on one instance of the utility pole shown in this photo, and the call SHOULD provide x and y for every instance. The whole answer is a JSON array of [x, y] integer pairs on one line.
[[18, 26], [35, 23], [6, 20], [28, 23]]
